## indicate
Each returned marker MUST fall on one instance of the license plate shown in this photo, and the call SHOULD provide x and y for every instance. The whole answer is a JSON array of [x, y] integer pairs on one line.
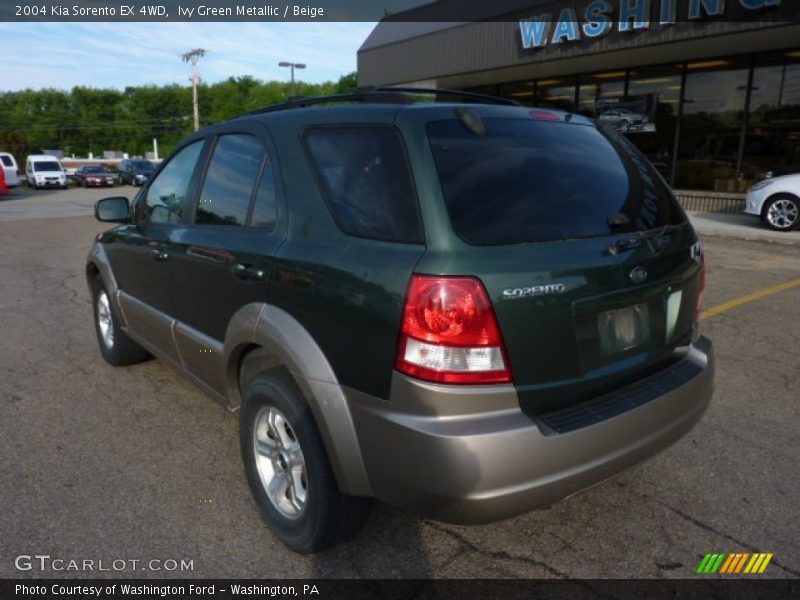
[[624, 328]]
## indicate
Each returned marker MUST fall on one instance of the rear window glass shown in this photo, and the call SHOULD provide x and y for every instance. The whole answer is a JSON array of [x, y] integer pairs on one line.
[[7, 161], [536, 181], [364, 175], [265, 210], [231, 177]]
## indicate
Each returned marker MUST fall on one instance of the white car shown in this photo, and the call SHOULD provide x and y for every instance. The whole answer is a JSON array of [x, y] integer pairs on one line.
[[44, 171], [622, 118], [9, 165], [776, 201]]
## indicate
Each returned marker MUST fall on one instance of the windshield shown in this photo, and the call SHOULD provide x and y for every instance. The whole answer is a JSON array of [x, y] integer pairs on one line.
[[535, 181], [46, 166], [7, 161], [142, 165], [95, 170]]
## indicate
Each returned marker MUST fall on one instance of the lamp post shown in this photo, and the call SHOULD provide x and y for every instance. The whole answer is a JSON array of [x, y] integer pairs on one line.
[[192, 57], [292, 66]]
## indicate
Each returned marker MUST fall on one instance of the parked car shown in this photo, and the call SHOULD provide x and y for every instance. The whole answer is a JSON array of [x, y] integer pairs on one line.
[[94, 175], [135, 171], [776, 202], [443, 306], [44, 171], [10, 169], [789, 164], [622, 118]]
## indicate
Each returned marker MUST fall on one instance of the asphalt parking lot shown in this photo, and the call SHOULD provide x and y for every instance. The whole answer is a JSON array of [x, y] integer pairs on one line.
[[137, 464]]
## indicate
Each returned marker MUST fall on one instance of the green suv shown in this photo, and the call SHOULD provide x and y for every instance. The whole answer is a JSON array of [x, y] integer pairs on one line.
[[465, 308]]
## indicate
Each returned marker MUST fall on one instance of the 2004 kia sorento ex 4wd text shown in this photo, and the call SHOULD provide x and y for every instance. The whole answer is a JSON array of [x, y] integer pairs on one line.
[[466, 309]]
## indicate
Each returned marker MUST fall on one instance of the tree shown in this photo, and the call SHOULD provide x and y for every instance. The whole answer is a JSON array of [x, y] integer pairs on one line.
[[347, 83], [84, 120]]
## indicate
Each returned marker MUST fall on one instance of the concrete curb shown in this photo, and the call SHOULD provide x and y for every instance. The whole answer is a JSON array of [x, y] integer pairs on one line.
[[743, 227]]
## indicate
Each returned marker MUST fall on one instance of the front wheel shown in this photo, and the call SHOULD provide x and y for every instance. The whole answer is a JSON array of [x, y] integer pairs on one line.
[[288, 469], [115, 345], [782, 212]]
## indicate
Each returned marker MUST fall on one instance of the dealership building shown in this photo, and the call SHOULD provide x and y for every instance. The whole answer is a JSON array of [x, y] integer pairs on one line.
[[709, 90]]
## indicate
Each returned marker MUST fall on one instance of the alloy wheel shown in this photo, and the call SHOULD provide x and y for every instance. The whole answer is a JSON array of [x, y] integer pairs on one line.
[[280, 462], [783, 213], [104, 320]]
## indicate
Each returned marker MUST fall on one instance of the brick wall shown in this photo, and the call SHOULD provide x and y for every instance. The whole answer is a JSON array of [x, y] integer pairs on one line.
[[713, 202]]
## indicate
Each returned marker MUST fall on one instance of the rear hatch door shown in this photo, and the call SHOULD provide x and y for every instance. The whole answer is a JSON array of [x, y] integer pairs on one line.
[[591, 265]]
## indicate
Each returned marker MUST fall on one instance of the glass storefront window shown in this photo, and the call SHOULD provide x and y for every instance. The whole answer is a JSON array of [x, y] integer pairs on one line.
[[712, 154], [522, 92], [713, 112], [658, 145], [772, 144], [599, 85], [557, 93]]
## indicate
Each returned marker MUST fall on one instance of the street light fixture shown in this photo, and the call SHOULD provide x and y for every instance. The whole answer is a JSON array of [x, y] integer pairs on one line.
[[293, 66]]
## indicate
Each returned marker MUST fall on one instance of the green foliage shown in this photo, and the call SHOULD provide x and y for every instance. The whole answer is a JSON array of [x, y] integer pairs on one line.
[[347, 83], [85, 120]]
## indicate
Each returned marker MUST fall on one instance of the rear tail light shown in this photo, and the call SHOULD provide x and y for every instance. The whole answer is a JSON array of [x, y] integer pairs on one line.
[[700, 257], [450, 333]]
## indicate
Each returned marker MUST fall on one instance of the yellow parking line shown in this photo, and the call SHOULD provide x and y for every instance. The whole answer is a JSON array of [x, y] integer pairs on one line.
[[747, 298]]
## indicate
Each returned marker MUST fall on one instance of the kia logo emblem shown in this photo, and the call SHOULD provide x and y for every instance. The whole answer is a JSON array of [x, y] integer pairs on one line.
[[638, 274]]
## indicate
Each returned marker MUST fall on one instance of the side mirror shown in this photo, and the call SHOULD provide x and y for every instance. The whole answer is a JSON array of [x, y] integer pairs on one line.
[[112, 210]]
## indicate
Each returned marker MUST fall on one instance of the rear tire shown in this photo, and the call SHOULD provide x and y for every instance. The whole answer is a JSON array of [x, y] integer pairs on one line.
[[282, 451], [782, 212], [116, 347]]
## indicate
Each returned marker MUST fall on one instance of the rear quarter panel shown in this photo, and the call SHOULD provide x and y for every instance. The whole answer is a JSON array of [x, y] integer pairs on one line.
[[347, 292]]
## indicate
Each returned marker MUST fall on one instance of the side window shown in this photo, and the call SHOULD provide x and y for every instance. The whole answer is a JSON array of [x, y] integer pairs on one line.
[[165, 196], [265, 210], [230, 180], [365, 178]]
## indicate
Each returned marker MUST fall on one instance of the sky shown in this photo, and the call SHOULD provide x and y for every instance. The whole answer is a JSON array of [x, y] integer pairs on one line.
[[63, 55]]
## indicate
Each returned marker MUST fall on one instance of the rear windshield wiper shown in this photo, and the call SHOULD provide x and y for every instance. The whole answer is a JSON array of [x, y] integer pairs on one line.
[[654, 237]]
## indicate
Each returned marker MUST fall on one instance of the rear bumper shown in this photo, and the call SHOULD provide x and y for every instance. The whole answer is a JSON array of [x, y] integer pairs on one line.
[[477, 468]]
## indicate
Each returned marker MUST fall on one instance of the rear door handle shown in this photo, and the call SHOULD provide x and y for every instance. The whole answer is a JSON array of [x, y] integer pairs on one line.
[[212, 254], [158, 255], [248, 272]]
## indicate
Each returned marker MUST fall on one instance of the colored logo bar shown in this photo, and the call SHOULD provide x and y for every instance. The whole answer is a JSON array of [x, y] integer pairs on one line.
[[734, 563]]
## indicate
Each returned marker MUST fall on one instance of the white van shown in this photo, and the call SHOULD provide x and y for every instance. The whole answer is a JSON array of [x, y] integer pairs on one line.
[[9, 164], [44, 170]]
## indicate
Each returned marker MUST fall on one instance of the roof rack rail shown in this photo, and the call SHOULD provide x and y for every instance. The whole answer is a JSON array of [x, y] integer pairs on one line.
[[380, 95], [483, 98]]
